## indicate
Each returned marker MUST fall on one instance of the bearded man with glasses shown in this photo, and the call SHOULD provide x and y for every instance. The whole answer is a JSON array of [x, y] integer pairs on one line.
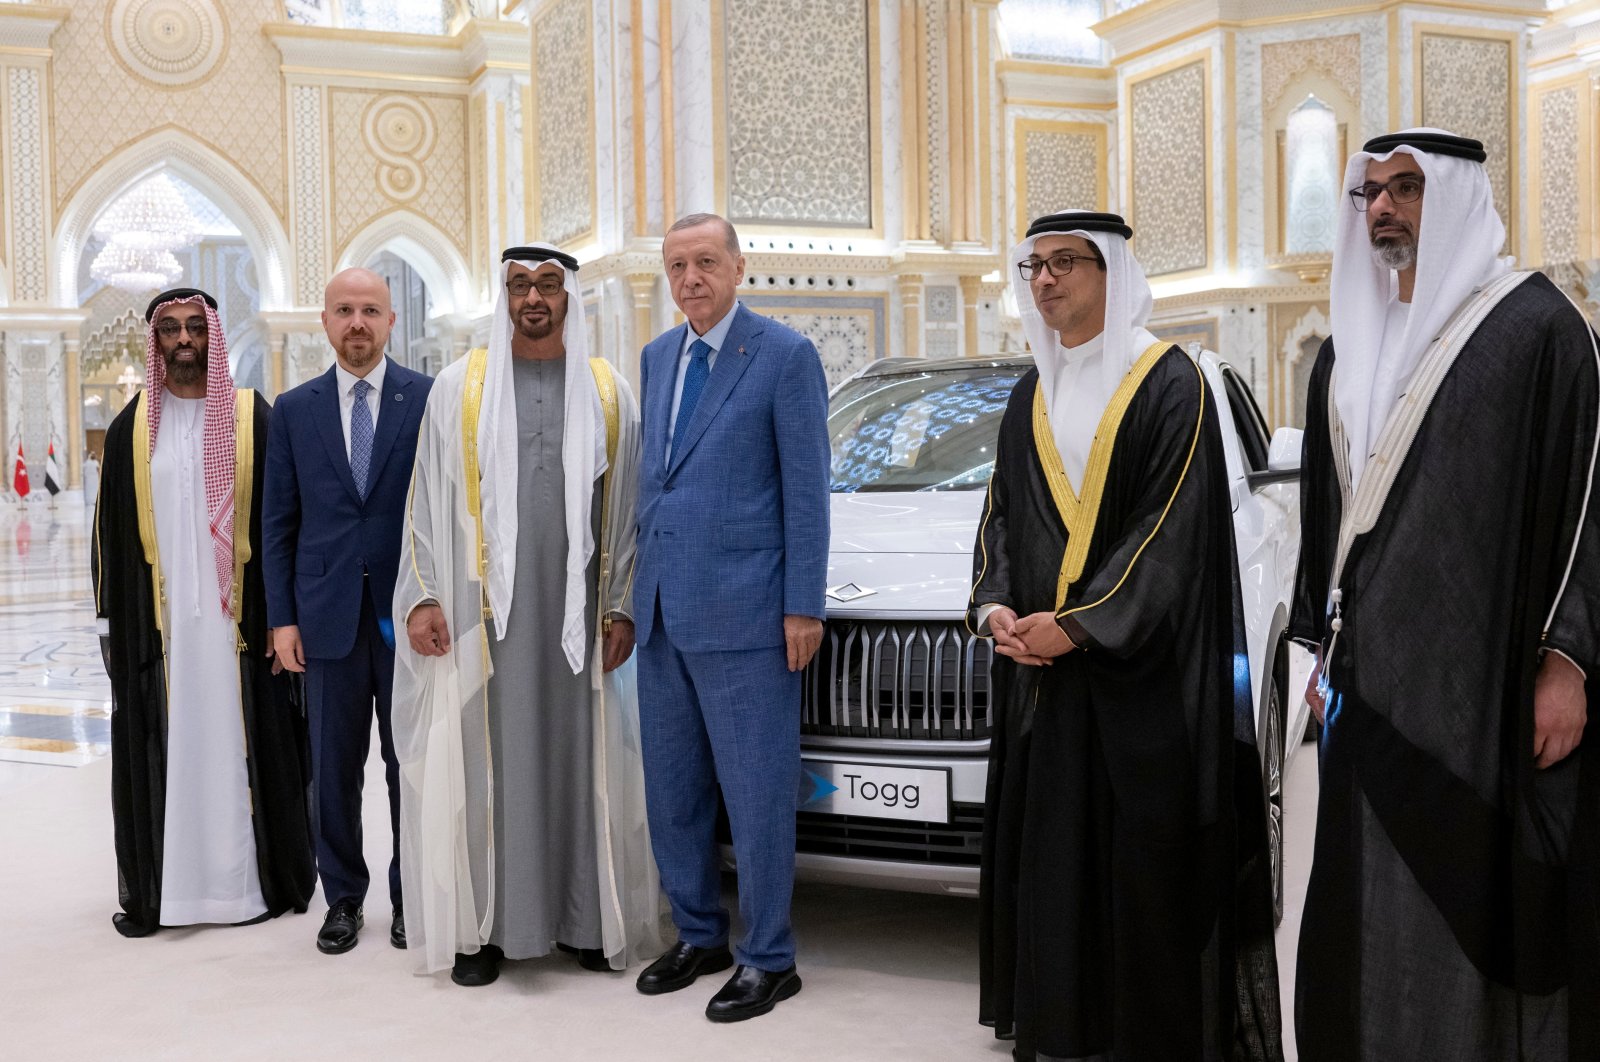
[[1449, 584], [208, 797]]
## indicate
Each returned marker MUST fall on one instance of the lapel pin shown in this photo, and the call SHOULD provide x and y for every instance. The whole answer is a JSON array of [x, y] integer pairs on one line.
[[741, 350]]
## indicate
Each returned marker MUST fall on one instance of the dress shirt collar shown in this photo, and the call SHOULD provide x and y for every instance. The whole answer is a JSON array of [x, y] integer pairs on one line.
[[716, 335], [347, 379]]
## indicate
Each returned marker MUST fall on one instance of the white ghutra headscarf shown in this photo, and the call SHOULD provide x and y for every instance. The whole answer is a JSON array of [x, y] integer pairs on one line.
[[1078, 382], [1459, 239], [583, 452]]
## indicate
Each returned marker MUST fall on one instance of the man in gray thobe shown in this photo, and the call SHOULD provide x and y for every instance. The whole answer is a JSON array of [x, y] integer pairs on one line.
[[522, 812]]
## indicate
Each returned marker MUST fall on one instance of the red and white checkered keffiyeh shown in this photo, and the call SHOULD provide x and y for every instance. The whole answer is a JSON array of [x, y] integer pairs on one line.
[[218, 435]]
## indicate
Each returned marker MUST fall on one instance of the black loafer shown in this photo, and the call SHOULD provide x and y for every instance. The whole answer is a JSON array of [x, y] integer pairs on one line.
[[129, 928], [680, 966], [340, 928], [397, 928], [589, 958], [478, 969], [751, 993]]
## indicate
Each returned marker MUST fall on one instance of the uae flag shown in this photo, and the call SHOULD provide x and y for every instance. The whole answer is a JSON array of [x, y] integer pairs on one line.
[[19, 479], [52, 474]]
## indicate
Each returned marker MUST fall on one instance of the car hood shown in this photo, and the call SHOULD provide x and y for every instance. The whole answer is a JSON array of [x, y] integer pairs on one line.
[[912, 551]]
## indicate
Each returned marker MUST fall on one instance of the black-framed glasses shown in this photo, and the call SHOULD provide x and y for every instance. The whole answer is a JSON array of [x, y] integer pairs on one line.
[[170, 328], [544, 286], [1406, 188], [1059, 265]]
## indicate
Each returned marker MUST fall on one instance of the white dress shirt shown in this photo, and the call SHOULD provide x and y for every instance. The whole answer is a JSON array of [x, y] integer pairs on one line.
[[714, 337], [347, 396]]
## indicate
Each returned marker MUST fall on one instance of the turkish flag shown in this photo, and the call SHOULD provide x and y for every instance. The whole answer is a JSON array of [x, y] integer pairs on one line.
[[19, 479]]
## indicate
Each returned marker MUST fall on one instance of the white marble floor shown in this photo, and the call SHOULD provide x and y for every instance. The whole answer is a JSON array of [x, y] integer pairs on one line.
[[888, 976]]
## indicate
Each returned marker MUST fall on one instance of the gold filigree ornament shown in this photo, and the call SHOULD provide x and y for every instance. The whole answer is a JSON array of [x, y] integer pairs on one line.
[[170, 43], [401, 133]]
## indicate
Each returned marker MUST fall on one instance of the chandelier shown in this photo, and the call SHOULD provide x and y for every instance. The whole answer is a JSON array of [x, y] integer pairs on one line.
[[141, 230]]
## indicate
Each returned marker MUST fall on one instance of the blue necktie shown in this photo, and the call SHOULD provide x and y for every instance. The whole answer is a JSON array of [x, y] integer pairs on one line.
[[694, 381], [360, 437]]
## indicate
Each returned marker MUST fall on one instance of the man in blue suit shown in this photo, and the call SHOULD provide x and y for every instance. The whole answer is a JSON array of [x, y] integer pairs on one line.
[[728, 597], [339, 455]]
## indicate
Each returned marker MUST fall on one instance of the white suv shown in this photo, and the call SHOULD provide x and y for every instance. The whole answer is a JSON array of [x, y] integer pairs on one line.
[[896, 714]]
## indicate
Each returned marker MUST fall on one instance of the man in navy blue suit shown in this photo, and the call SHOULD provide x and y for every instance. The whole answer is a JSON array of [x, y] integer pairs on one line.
[[339, 456], [728, 597]]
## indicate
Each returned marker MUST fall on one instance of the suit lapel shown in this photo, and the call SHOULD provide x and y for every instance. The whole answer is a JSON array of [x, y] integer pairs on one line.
[[331, 427], [659, 408], [391, 415], [732, 360]]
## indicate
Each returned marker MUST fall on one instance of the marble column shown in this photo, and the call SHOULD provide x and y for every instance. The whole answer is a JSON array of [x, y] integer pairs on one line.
[[910, 287], [971, 295]]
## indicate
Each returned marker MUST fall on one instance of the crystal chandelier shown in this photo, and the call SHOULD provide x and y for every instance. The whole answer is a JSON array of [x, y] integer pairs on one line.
[[141, 230]]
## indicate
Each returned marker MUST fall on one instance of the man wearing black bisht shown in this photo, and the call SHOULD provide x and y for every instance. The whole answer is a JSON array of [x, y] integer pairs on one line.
[[1450, 584], [1126, 891], [208, 754]]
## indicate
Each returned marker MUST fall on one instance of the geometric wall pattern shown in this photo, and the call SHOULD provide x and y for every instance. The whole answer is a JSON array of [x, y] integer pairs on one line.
[[1337, 57], [1558, 178], [847, 329], [798, 127], [1168, 123], [1466, 88], [1060, 171], [563, 73]]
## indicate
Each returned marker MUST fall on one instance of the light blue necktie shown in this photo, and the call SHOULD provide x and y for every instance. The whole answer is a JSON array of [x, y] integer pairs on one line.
[[694, 381], [360, 437]]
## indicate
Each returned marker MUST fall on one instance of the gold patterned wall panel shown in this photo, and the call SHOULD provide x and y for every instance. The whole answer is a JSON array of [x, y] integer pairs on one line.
[[798, 115], [1559, 188], [398, 151], [564, 125], [1170, 163], [1466, 87], [196, 65], [1059, 166]]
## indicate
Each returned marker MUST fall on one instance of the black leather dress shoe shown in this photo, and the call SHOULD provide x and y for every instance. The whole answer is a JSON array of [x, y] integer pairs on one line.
[[397, 928], [340, 928], [129, 928], [480, 968], [589, 958], [680, 966], [750, 993]]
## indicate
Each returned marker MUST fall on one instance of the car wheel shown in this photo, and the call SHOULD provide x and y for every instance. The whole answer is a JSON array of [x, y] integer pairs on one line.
[[1272, 755]]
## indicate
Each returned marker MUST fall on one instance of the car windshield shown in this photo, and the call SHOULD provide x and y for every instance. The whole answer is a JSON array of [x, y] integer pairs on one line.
[[918, 430]]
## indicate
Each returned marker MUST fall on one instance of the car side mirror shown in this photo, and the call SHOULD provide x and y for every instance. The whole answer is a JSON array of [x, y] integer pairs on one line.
[[1284, 452]]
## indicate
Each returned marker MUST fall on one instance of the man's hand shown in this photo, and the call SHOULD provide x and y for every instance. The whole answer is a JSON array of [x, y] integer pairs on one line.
[[1040, 638], [1003, 625], [427, 630], [286, 647], [1314, 696], [802, 635], [1560, 709], [618, 644]]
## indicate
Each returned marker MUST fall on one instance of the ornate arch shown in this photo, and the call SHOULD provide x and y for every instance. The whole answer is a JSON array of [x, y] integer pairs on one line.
[[428, 250], [223, 183]]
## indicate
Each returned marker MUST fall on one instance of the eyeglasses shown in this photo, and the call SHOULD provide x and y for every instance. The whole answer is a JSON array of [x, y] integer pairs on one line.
[[170, 328], [1406, 188], [1059, 265], [544, 286]]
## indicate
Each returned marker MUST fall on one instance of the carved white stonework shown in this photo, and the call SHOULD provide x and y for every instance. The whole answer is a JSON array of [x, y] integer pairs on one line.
[[1466, 85], [25, 175], [799, 149], [563, 75], [936, 117], [400, 131], [1060, 172], [310, 207], [168, 42], [1558, 160], [397, 150], [1170, 130]]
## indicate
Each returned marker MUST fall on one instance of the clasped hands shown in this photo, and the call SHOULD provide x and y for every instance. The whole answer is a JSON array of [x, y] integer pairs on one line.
[[1035, 639]]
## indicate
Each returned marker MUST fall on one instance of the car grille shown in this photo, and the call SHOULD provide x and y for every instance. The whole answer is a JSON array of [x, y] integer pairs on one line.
[[958, 844], [898, 679]]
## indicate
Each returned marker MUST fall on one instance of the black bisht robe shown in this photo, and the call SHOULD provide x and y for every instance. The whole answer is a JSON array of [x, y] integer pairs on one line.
[[1126, 888], [278, 755], [1453, 910]]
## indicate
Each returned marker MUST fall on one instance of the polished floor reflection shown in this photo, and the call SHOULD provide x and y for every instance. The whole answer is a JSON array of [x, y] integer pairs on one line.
[[55, 702]]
